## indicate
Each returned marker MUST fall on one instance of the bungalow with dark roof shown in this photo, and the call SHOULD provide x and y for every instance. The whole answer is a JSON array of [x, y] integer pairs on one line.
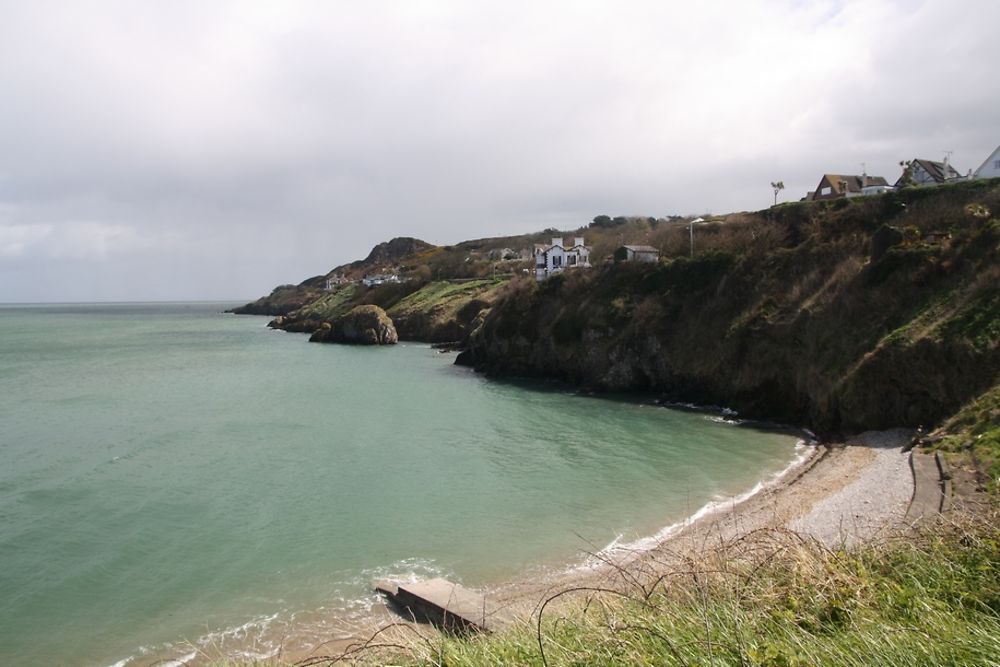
[[835, 186]]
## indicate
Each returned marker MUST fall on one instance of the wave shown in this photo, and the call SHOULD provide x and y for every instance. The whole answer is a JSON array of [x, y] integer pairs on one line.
[[619, 549], [265, 637]]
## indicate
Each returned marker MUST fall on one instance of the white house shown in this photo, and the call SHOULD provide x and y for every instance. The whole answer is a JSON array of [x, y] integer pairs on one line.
[[380, 279], [990, 168], [555, 257], [637, 253], [335, 280]]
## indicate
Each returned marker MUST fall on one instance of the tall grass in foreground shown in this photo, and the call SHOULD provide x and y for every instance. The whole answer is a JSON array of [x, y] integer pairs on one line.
[[770, 598]]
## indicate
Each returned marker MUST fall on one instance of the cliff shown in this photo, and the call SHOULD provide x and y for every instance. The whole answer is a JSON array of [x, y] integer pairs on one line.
[[435, 312], [788, 315]]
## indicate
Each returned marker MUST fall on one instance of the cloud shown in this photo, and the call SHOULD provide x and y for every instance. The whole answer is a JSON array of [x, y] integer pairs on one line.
[[280, 139], [74, 240], [15, 240]]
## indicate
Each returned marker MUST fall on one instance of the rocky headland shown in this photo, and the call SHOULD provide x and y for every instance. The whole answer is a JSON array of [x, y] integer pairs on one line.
[[362, 325]]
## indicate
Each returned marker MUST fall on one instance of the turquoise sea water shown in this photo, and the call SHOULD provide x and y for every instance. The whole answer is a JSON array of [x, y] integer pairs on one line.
[[169, 473]]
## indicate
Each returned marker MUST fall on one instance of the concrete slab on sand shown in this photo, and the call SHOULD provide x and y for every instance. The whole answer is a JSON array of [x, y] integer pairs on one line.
[[445, 604], [927, 490]]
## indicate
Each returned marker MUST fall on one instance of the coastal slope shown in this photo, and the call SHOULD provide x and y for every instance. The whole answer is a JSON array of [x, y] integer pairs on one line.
[[804, 313]]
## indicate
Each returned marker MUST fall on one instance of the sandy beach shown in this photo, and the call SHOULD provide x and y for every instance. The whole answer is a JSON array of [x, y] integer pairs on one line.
[[840, 494]]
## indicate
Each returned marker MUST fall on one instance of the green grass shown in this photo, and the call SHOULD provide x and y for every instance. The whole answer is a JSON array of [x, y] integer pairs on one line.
[[442, 300], [331, 305], [770, 599], [979, 321], [437, 292], [975, 430], [776, 600]]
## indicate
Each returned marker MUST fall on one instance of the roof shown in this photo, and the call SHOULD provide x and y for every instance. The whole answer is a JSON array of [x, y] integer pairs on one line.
[[936, 170], [545, 247], [853, 182], [641, 248]]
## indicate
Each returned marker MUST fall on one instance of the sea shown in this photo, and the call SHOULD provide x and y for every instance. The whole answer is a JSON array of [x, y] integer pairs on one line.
[[177, 482]]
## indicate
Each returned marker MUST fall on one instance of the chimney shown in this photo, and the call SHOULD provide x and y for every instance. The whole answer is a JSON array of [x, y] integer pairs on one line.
[[557, 240], [579, 241]]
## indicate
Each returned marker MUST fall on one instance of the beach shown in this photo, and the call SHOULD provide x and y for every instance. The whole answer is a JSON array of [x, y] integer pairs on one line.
[[840, 495]]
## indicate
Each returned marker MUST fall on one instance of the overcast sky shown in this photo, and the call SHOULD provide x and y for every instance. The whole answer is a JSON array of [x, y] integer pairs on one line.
[[211, 150]]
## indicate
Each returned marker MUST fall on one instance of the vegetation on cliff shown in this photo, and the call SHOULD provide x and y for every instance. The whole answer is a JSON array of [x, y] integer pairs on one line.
[[783, 315], [840, 315], [972, 438], [436, 312]]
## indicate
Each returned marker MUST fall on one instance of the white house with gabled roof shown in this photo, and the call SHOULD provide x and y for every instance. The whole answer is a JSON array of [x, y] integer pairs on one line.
[[991, 167], [555, 257]]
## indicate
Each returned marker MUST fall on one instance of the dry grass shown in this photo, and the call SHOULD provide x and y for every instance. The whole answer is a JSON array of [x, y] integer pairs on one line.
[[772, 597]]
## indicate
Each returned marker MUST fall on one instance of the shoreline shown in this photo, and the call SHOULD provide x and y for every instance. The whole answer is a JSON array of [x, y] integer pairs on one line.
[[818, 497], [840, 494], [827, 492]]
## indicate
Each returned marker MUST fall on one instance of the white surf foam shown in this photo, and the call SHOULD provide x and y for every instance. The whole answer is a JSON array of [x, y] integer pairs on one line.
[[179, 662], [619, 550]]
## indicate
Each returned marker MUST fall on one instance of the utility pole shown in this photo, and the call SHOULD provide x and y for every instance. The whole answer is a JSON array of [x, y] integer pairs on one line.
[[691, 229]]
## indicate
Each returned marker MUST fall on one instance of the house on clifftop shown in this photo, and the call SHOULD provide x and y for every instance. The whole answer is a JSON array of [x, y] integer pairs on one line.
[[637, 253], [927, 172], [555, 257], [835, 186]]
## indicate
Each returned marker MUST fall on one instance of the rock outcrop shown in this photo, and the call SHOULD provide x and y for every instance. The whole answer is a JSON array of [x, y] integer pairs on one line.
[[393, 251], [363, 325]]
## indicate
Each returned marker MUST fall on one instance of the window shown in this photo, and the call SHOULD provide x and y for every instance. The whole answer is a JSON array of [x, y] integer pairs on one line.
[[570, 260], [825, 191], [557, 261], [996, 164]]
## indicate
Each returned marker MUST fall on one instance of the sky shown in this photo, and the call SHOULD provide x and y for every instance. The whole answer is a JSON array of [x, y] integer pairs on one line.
[[188, 149]]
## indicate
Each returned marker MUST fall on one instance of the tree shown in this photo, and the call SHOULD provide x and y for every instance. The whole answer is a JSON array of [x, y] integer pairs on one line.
[[906, 179], [777, 186]]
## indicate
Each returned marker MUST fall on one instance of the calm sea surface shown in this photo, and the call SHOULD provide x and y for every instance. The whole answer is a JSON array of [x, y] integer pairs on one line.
[[169, 474]]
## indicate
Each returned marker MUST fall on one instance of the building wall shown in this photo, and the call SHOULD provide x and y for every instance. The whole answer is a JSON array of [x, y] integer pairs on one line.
[[557, 258], [990, 168], [825, 190], [921, 177]]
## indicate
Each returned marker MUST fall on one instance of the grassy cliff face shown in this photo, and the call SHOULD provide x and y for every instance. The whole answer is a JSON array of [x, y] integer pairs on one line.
[[783, 315], [436, 312], [973, 435], [443, 311]]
